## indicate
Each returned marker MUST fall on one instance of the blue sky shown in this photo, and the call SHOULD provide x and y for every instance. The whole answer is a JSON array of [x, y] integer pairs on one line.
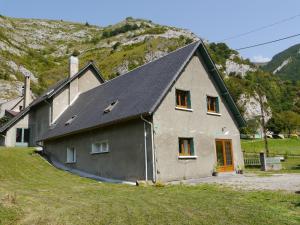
[[213, 20]]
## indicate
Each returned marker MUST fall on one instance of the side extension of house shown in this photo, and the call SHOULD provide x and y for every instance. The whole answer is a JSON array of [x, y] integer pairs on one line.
[[28, 126]]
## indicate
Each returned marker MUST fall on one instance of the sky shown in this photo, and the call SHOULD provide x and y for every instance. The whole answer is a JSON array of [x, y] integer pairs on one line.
[[213, 20]]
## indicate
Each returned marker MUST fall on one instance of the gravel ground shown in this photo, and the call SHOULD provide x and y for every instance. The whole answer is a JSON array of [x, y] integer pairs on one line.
[[285, 182]]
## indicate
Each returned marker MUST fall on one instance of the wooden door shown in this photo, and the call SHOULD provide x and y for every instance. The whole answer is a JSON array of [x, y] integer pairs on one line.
[[224, 155]]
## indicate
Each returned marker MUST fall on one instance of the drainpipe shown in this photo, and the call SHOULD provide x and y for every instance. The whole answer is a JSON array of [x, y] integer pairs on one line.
[[152, 144], [146, 159]]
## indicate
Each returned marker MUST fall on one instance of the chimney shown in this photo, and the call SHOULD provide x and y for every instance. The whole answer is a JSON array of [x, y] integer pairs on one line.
[[74, 64], [73, 88], [27, 92]]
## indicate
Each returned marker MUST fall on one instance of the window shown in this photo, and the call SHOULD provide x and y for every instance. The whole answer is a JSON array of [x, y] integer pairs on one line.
[[212, 104], [22, 135], [183, 99], [19, 135], [100, 147], [71, 155], [70, 120], [110, 106], [186, 147]]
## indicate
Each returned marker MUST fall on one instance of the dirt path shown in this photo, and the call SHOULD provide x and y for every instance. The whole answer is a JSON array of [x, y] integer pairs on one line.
[[285, 182]]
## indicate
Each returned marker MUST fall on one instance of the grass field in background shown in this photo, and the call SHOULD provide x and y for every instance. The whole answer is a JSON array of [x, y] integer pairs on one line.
[[289, 148], [276, 146], [33, 192]]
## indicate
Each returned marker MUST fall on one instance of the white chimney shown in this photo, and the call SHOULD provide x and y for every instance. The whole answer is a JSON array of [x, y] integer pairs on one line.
[[74, 65], [27, 92]]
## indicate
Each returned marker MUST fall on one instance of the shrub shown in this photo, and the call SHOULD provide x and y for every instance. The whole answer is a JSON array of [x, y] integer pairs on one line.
[[119, 30], [75, 53], [116, 45]]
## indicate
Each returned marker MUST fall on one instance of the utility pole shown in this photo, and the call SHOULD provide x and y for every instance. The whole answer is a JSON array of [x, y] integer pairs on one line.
[[263, 120]]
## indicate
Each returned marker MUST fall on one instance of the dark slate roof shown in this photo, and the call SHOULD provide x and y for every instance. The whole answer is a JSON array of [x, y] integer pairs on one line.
[[138, 92], [49, 94]]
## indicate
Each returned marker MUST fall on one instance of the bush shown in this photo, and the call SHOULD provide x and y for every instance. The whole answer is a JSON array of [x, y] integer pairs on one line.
[[75, 53], [115, 46], [119, 30]]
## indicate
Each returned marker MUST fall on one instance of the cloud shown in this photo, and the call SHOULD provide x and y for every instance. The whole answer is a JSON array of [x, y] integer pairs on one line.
[[260, 59]]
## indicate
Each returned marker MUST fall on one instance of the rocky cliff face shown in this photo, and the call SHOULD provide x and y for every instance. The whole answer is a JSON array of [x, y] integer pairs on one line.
[[40, 48]]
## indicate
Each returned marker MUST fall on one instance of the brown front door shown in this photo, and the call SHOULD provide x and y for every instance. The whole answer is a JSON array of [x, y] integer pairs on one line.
[[224, 155]]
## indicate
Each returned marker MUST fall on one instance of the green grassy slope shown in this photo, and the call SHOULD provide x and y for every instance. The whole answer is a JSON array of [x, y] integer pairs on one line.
[[292, 70], [33, 192], [44, 46]]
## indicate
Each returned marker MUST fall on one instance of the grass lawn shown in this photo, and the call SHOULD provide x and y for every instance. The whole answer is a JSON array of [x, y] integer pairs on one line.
[[289, 148], [276, 146], [33, 192]]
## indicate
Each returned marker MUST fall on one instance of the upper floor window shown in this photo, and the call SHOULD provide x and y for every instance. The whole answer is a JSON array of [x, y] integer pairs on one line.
[[212, 104], [183, 99], [186, 147], [71, 155], [100, 147]]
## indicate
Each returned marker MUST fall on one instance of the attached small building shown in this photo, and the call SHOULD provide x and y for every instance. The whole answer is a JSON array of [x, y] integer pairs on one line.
[[28, 125], [170, 119]]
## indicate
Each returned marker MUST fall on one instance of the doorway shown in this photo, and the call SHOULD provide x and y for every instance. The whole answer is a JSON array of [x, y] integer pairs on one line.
[[224, 155]]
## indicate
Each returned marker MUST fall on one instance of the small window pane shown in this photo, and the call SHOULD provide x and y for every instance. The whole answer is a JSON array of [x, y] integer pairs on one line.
[[19, 135], [186, 147], [104, 147], [71, 155], [26, 135]]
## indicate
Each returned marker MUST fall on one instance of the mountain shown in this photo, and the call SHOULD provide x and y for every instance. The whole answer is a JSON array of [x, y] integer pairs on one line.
[[41, 48], [286, 64]]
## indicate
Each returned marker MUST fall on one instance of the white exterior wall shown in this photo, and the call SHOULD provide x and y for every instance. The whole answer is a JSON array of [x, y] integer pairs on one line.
[[10, 137], [170, 124]]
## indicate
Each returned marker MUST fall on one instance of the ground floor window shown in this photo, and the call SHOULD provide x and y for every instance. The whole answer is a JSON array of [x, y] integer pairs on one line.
[[22, 135], [186, 147], [71, 155], [100, 147]]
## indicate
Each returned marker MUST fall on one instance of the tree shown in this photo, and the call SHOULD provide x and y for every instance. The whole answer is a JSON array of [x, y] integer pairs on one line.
[[75, 53], [258, 86], [252, 126], [290, 121], [275, 124]]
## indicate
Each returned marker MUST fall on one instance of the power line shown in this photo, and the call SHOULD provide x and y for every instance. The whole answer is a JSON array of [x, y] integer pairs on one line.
[[260, 28], [268, 42]]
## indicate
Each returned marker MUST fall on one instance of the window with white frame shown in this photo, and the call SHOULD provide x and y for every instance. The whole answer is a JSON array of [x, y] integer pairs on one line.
[[71, 155], [100, 147]]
